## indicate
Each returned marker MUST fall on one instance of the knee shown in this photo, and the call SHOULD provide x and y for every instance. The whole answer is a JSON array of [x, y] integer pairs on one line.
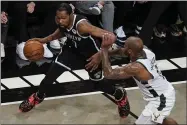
[[109, 6], [119, 93], [169, 121]]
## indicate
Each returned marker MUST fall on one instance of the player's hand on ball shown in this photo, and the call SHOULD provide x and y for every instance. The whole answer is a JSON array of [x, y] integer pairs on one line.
[[107, 40]]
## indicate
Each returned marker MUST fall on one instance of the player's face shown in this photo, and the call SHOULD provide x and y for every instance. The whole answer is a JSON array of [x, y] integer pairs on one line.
[[62, 19]]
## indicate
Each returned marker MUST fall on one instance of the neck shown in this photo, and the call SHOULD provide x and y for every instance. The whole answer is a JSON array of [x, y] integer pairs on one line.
[[137, 56]]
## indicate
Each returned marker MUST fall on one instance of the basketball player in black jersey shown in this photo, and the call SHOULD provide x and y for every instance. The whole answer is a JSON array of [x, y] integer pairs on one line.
[[82, 46]]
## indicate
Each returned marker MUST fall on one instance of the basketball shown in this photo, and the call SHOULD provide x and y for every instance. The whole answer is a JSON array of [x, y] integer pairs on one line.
[[33, 50]]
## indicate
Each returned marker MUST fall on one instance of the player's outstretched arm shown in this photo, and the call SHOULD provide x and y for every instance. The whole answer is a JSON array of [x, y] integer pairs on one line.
[[124, 72], [56, 35], [118, 51], [85, 27]]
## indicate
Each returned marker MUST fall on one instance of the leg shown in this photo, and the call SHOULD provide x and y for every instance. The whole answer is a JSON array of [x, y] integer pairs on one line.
[[108, 87], [157, 111], [60, 65], [20, 21], [120, 11], [147, 29], [169, 121], [83, 6], [36, 98], [147, 120], [108, 16]]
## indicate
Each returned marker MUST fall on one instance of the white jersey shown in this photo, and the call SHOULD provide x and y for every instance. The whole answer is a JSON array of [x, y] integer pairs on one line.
[[158, 85]]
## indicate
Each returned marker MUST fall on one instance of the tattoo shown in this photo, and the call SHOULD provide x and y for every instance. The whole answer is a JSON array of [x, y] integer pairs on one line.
[[127, 71], [105, 62], [116, 52]]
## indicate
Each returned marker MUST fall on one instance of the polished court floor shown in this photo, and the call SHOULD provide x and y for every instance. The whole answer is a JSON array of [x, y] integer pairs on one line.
[[20, 78], [88, 109]]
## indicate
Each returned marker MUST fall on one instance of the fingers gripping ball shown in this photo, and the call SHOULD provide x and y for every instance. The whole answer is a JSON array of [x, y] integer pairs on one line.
[[33, 50]]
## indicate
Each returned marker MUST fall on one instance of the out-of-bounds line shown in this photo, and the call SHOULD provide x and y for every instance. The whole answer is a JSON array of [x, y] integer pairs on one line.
[[58, 97], [4, 86], [26, 81], [84, 94], [174, 64]]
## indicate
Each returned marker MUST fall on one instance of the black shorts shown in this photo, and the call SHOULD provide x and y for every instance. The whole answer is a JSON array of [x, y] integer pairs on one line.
[[71, 59]]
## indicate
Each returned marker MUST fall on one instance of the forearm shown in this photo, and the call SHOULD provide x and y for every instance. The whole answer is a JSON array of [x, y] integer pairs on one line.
[[115, 52], [109, 73], [56, 35], [105, 62]]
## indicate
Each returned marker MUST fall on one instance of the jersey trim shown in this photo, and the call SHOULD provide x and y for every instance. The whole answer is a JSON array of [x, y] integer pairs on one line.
[[94, 43], [78, 30], [146, 68], [162, 102]]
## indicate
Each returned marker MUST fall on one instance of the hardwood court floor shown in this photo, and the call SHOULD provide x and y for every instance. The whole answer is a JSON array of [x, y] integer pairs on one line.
[[89, 109]]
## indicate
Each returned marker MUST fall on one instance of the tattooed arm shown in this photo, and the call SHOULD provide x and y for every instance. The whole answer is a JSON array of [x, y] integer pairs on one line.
[[131, 69], [116, 52]]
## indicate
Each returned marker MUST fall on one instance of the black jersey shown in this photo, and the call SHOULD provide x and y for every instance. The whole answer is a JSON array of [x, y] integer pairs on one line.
[[85, 45]]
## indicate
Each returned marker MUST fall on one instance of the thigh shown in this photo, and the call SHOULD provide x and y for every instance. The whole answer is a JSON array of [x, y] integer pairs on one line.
[[142, 120], [69, 59], [151, 115]]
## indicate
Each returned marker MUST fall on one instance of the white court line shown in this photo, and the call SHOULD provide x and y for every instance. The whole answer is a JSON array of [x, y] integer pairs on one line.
[[180, 61], [2, 88], [84, 94], [59, 97], [35, 79], [16, 82]]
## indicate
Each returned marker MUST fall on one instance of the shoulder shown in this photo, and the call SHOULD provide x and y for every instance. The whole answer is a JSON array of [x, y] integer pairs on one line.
[[134, 67], [83, 25]]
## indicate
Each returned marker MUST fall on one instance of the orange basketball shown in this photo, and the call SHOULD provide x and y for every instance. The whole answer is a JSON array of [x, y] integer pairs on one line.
[[33, 50]]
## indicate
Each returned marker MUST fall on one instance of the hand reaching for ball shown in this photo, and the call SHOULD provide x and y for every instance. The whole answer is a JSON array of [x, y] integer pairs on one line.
[[108, 40]]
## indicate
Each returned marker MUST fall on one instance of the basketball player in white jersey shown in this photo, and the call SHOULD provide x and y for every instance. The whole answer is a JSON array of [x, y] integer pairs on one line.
[[156, 90]]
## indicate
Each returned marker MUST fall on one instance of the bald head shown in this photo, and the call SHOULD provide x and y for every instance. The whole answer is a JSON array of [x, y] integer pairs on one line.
[[135, 44]]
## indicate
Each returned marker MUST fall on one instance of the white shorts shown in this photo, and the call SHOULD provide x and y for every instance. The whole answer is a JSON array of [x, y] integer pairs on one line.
[[157, 110]]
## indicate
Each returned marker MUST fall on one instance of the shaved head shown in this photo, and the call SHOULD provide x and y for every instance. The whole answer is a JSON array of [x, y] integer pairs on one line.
[[135, 44]]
